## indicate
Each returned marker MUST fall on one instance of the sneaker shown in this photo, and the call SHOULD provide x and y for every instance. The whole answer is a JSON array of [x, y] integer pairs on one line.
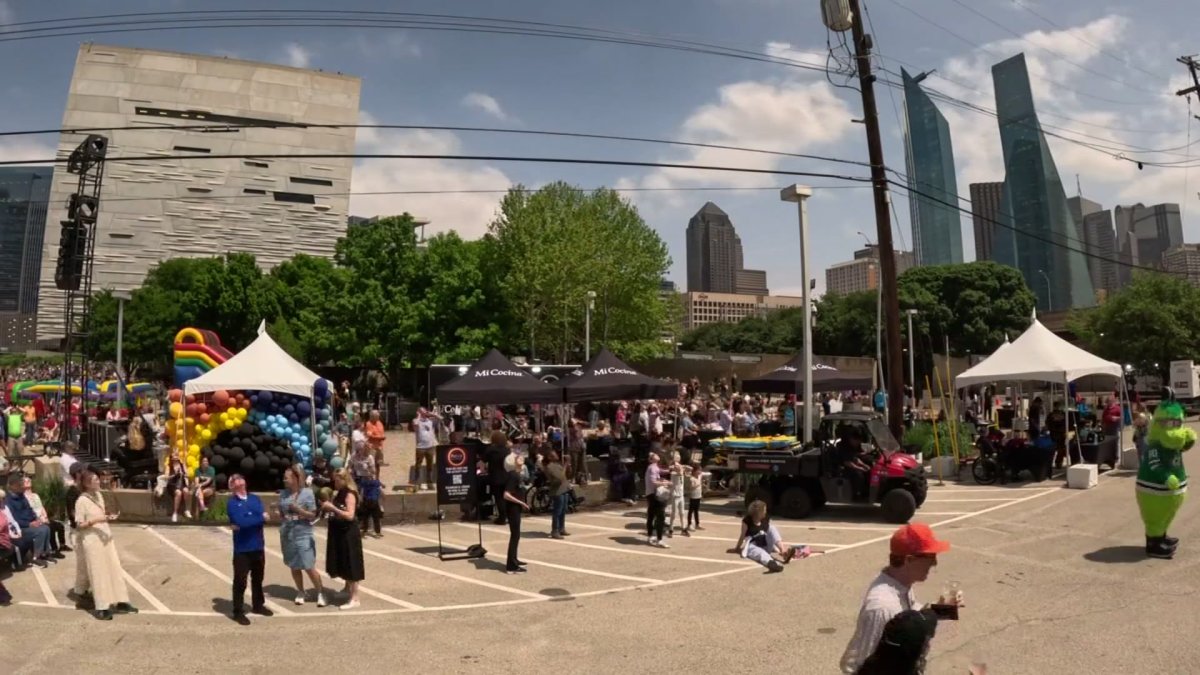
[[57, 556], [671, 534], [262, 611], [774, 567], [650, 540], [66, 548], [124, 608], [556, 535], [698, 527], [516, 570], [350, 605], [564, 533], [174, 517], [627, 502], [241, 619], [662, 544], [187, 515], [41, 563], [103, 614], [300, 598], [686, 533], [321, 600]]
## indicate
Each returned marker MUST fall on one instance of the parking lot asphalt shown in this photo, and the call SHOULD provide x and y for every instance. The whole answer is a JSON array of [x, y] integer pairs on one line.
[[597, 599]]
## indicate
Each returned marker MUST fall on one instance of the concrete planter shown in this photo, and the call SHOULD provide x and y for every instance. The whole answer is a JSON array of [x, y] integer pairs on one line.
[[945, 467]]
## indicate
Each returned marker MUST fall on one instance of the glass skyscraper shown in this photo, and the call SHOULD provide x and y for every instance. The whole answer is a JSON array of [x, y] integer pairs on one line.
[[1040, 238], [24, 195], [933, 196]]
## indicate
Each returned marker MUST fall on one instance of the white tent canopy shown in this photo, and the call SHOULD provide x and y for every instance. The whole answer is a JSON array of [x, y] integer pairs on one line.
[[263, 365], [1040, 356]]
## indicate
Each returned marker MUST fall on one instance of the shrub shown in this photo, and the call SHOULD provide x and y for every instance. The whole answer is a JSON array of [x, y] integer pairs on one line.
[[53, 493], [921, 435]]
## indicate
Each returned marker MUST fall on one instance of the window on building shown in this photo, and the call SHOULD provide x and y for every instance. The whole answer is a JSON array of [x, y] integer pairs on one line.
[[189, 148], [312, 181], [295, 198], [257, 165], [253, 191]]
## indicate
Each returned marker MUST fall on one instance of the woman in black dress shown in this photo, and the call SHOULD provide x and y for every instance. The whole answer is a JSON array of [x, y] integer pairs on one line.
[[343, 549], [514, 503]]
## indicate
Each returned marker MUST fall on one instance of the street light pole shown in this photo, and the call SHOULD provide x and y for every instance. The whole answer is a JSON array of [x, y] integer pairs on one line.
[[587, 326], [121, 297], [800, 195], [912, 372], [1049, 291]]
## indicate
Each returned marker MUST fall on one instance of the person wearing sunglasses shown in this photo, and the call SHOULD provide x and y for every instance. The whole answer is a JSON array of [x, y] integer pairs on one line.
[[914, 552]]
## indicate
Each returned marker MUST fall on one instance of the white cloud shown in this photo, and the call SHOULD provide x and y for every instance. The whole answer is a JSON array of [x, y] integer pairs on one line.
[[296, 55], [7, 15], [487, 104], [24, 149], [466, 213], [394, 45]]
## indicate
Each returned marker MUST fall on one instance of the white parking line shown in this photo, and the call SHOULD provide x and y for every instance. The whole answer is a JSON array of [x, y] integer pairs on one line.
[[362, 589], [41, 582], [937, 490], [980, 499], [993, 508], [542, 563], [727, 540], [209, 568], [628, 549], [146, 594], [710, 519], [449, 575]]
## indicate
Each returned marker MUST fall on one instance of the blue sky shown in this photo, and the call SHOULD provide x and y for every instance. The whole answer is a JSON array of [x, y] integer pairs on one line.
[[1103, 72]]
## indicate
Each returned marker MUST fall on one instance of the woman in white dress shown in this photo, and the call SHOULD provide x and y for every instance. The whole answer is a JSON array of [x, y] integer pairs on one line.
[[100, 552]]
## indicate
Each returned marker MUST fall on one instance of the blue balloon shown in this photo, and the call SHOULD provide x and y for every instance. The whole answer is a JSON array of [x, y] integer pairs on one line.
[[336, 462], [323, 413], [265, 397], [303, 408]]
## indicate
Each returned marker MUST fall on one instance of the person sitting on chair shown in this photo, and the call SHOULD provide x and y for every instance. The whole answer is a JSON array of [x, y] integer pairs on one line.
[[853, 459]]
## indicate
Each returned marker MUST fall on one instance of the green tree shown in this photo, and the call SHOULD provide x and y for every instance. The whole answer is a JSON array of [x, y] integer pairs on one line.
[[846, 325], [555, 245], [1151, 322], [974, 304], [306, 308]]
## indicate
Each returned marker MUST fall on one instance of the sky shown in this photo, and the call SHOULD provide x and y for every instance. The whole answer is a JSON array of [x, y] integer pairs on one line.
[[1104, 74]]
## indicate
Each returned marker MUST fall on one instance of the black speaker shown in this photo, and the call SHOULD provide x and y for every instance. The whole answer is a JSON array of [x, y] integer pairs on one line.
[[90, 152], [72, 245], [83, 209]]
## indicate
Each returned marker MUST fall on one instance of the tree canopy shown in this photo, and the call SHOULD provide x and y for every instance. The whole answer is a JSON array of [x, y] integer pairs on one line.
[[386, 300], [1151, 322]]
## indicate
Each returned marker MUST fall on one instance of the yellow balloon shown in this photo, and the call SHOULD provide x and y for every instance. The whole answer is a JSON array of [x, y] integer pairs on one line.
[[206, 434], [176, 409], [191, 420], [224, 416], [242, 412], [229, 424], [194, 449]]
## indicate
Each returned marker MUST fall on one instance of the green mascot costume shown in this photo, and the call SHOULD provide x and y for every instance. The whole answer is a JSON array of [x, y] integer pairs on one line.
[[1161, 478]]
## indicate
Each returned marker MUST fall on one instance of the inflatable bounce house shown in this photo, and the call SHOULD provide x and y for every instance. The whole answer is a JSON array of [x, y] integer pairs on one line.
[[254, 413], [197, 351]]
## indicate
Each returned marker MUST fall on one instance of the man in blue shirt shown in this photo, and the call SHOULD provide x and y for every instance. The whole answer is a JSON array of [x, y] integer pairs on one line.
[[247, 515], [32, 529]]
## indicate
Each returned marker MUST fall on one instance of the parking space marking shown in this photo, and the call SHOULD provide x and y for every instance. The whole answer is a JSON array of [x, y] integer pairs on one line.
[[209, 568], [726, 540], [41, 582], [986, 489], [711, 519], [969, 499], [155, 602], [994, 508], [542, 563], [449, 575], [628, 549], [362, 589]]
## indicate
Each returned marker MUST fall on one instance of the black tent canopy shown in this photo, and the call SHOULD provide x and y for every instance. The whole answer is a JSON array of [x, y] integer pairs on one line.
[[789, 379], [607, 378], [495, 380]]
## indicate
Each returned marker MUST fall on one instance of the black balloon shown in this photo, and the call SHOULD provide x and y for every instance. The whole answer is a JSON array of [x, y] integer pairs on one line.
[[221, 481], [218, 462], [247, 464]]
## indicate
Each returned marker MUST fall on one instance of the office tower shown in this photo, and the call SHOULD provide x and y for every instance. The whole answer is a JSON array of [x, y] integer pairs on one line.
[[1044, 244], [862, 273], [1144, 234], [24, 197], [1096, 237], [1184, 261], [704, 308], [714, 256], [933, 187], [185, 205], [985, 214]]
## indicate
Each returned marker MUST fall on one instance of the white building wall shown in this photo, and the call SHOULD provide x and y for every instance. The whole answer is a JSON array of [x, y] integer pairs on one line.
[[152, 211]]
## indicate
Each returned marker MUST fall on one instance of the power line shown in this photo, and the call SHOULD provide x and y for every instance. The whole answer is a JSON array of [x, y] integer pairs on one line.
[[974, 44], [1060, 55], [280, 18], [217, 127], [900, 121], [1097, 47]]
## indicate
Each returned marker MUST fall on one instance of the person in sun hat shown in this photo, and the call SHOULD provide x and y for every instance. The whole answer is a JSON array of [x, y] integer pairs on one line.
[[913, 554]]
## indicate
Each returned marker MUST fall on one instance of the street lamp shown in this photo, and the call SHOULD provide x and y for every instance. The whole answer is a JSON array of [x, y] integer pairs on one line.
[[121, 297], [878, 311], [587, 326], [912, 372], [800, 194], [1049, 292]]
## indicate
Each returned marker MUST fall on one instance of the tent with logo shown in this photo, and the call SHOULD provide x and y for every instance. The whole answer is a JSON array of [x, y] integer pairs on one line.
[[607, 378], [495, 380], [789, 379]]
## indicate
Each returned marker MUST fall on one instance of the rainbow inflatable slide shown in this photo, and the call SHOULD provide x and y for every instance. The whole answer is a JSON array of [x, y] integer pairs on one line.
[[197, 351]]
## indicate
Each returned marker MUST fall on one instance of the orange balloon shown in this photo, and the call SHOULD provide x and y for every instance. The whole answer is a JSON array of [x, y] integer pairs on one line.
[[175, 395], [204, 418], [191, 398], [201, 408], [221, 399], [192, 410]]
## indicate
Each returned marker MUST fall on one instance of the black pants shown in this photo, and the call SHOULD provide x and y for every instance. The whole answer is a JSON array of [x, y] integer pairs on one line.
[[369, 511], [656, 515], [514, 533], [693, 511], [251, 563], [502, 504], [58, 535]]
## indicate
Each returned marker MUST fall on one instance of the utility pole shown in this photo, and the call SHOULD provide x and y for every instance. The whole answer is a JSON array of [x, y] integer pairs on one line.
[[1193, 66], [883, 223]]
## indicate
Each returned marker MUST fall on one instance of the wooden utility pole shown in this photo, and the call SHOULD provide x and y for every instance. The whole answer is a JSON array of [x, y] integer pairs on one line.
[[1194, 66], [883, 225]]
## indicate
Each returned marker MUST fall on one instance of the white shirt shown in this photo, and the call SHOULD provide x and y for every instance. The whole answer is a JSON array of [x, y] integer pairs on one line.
[[424, 428], [886, 597], [358, 439]]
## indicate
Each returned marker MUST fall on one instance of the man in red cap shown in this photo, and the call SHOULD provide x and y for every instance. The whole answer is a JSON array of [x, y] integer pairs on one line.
[[914, 553]]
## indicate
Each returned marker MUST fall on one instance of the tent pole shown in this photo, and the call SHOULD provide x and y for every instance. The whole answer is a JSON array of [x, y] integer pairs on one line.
[[312, 418]]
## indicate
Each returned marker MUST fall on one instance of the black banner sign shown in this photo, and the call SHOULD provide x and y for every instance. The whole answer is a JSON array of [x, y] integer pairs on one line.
[[455, 473]]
